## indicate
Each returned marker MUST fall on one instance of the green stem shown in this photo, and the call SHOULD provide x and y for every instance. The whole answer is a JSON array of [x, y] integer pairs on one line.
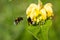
[[39, 1]]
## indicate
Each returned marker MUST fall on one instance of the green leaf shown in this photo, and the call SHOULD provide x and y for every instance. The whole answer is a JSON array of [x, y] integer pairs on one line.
[[40, 32]]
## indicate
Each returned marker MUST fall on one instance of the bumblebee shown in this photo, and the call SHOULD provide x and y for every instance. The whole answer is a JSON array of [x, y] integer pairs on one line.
[[31, 22], [17, 20]]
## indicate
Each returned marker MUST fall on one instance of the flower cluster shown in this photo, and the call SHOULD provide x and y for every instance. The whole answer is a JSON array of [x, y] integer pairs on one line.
[[39, 12]]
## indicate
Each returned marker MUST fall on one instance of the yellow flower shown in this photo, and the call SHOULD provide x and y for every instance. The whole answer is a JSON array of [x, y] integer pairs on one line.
[[39, 12]]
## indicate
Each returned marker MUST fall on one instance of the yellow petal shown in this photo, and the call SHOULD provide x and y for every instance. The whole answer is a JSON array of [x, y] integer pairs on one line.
[[43, 14], [30, 8], [48, 8], [40, 5], [32, 11]]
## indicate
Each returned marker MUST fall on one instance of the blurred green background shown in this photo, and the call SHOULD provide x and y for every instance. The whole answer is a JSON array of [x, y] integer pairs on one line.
[[10, 9]]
